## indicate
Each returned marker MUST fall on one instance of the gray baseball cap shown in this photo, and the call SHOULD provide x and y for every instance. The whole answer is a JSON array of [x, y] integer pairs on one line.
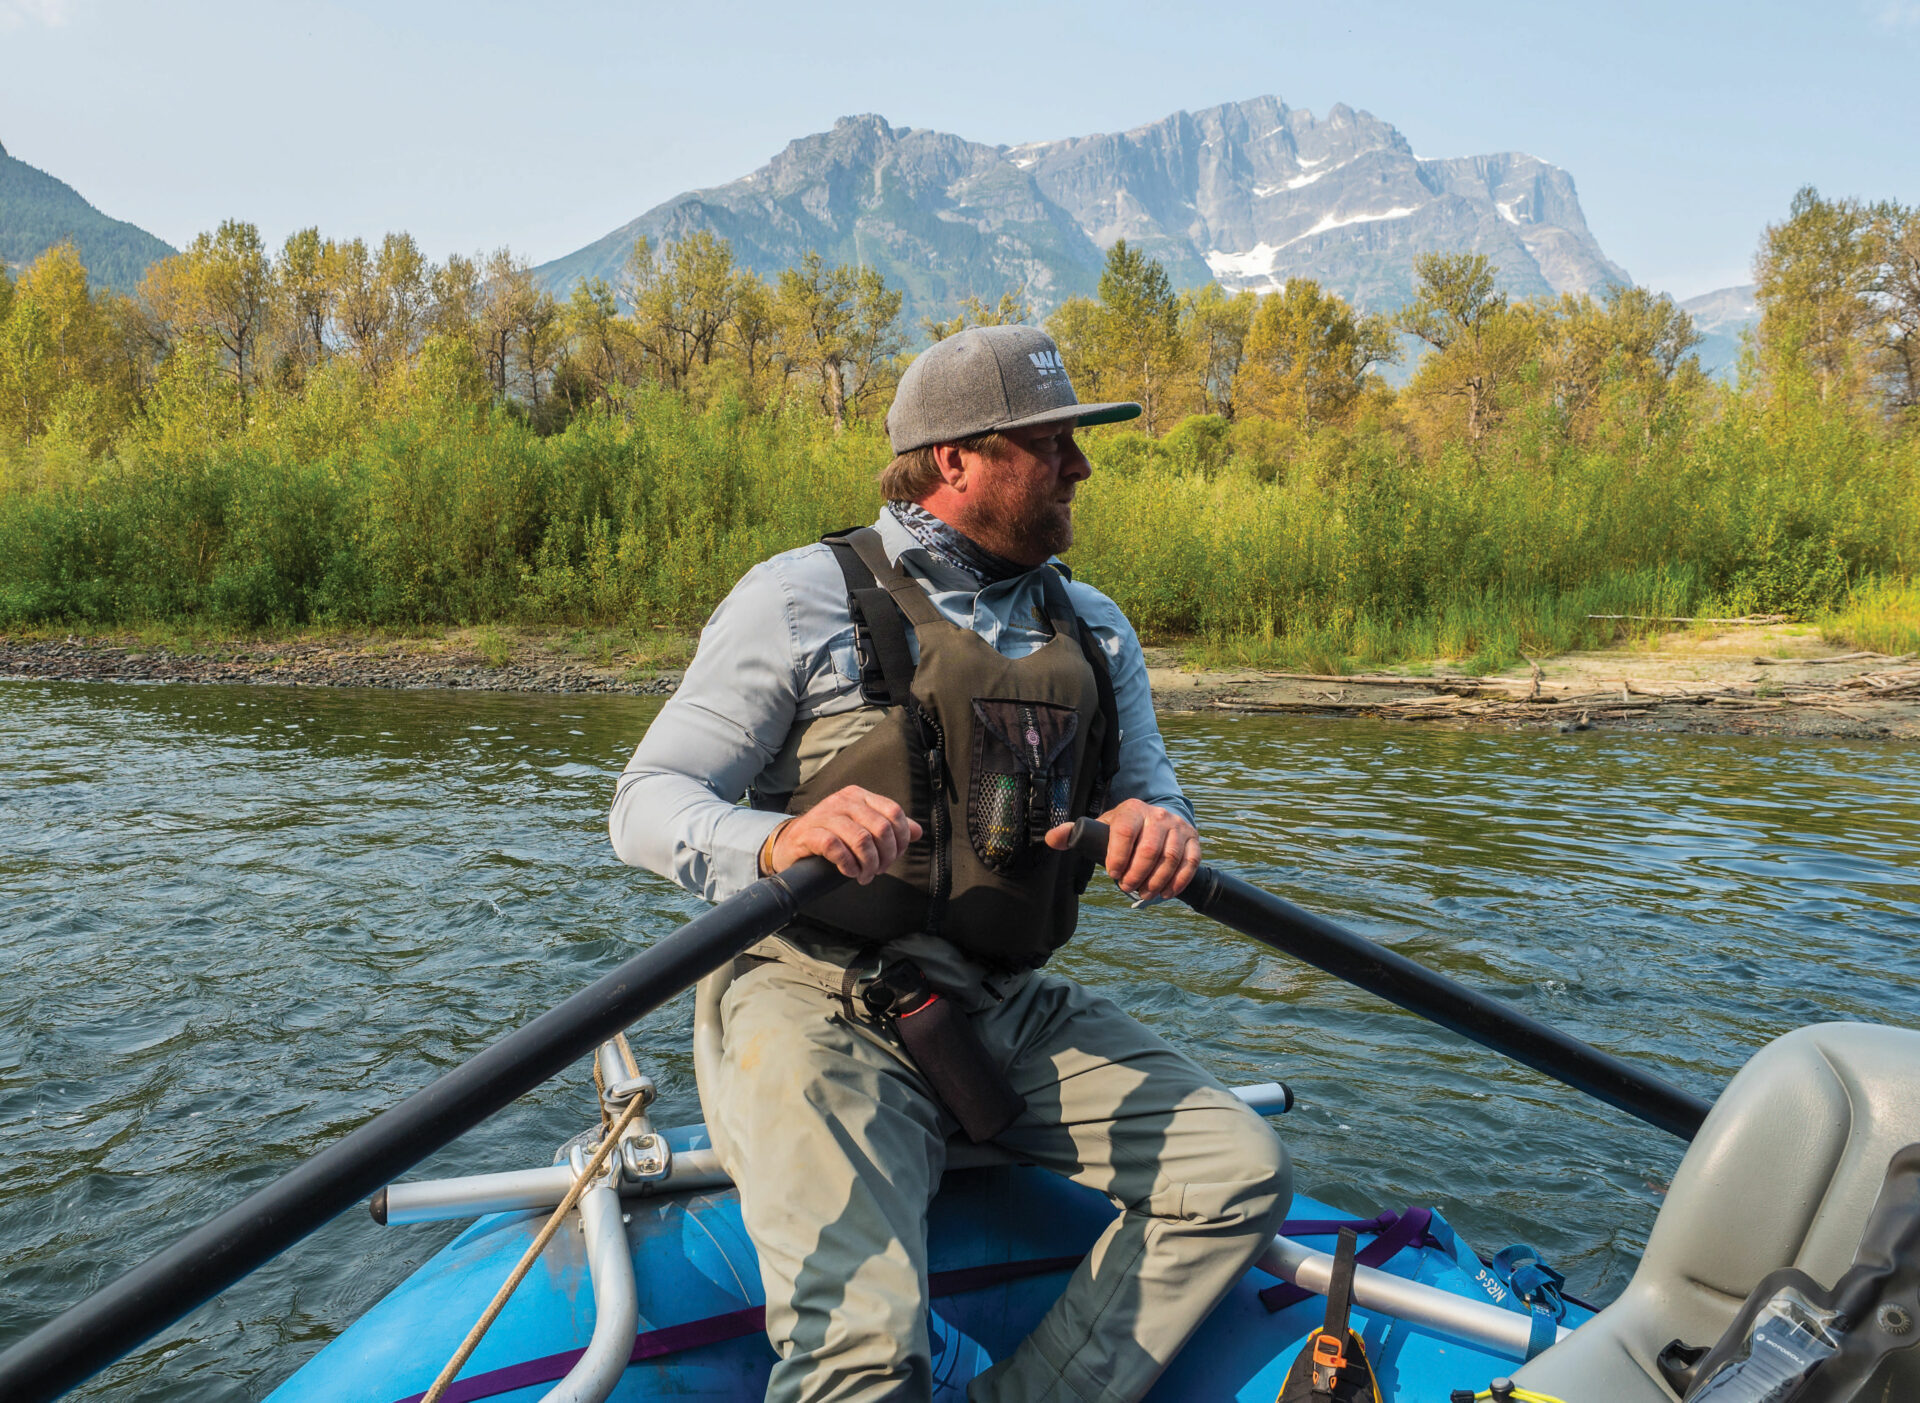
[[987, 378]]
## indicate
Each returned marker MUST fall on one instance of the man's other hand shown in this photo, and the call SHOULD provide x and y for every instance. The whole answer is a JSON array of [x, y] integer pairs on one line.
[[1152, 853], [858, 831]]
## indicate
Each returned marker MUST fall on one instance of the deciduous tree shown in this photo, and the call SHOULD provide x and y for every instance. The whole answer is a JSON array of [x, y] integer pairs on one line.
[[839, 330], [683, 298], [1214, 325], [1480, 340], [1076, 326], [1138, 333], [1308, 357], [382, 301], [1628, 354], [602, 346], [1816, 275], [61, 355], [221, 286], [303, 279], [1011, 310], [1897, 233]]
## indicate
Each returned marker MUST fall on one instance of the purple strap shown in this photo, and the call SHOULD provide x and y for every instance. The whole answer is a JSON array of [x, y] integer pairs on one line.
[[1327, 1227], [716, 1329], [1395, 1232]]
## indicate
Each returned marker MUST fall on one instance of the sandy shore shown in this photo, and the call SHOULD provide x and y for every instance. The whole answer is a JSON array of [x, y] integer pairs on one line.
[[1771, 679], [1777, 679]]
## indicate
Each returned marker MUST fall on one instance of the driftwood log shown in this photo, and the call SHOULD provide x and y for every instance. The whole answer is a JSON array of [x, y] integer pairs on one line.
[[1522, 699], [1693, 618]]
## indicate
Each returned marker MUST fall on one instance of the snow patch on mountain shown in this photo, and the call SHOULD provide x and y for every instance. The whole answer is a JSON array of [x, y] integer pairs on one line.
[[1256, 262], [1340, 221]]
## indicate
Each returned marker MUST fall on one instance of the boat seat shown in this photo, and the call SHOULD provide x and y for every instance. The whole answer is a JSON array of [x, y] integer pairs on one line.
[[1783, 1173]]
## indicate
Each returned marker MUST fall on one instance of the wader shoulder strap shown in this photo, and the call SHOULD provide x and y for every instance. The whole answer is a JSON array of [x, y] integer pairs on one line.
[[903, 587], [879, 630], [1059, 607], [1058, 603]]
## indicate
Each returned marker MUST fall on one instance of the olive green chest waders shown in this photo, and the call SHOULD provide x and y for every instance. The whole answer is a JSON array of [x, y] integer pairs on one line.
[[835, 1131]]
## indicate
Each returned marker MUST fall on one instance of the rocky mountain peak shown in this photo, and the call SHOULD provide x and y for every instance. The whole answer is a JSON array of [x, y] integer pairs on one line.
[[1249, 193]]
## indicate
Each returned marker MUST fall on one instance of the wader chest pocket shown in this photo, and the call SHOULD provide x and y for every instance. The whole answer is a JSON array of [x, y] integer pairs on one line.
[[1022, 780]]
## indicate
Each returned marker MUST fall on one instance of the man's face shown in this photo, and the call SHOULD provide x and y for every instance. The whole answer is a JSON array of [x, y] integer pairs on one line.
[[1020, 505]]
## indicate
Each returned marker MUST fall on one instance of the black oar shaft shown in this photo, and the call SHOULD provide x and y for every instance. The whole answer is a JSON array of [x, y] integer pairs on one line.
[[1397, 979], [117, 1319]]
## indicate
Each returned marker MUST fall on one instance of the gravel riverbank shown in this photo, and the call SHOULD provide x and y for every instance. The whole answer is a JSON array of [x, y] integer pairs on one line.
[[1777, 679]]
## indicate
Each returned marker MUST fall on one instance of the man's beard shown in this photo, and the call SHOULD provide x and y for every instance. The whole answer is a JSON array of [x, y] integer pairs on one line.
[[1020, 527]]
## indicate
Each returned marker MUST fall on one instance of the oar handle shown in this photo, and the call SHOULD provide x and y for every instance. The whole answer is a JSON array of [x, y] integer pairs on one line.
[[1089, 839], [1369, 965]]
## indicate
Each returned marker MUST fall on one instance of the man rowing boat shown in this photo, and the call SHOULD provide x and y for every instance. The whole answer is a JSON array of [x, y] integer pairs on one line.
[[928, 703]]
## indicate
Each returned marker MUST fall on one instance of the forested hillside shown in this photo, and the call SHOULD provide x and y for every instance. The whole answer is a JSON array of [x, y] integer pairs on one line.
[[37, 211]]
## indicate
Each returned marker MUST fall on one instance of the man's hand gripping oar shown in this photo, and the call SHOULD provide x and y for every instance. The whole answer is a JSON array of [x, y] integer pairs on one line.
[[1152, 853]]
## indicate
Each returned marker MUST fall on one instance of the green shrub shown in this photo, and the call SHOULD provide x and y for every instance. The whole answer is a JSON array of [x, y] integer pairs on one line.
[[421, 506]]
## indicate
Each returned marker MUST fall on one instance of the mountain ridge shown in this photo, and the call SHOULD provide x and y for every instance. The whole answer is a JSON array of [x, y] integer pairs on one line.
[[1249, 193], [38, 210], [1721, 316]]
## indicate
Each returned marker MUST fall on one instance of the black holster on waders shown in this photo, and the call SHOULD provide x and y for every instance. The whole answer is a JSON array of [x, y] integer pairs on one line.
[[940, 1039]]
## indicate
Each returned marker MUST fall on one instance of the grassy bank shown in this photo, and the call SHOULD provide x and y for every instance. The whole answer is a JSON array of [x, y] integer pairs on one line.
[[1881, 616], [1330, 552]]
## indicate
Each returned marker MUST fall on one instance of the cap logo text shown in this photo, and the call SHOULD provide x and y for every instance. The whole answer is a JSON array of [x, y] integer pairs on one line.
[[1046, 362]]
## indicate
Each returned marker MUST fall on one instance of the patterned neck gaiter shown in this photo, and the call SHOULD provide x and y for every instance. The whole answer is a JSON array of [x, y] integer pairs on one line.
[[945, 544]]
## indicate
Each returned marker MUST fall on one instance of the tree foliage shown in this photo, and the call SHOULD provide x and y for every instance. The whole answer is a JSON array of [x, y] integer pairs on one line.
[[1839, 293], [1479, 339], [1309, 357], [838, 327], [1214, 325]]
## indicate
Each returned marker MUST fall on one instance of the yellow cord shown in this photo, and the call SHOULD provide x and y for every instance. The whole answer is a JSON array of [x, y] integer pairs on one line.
[[1522, 1395]]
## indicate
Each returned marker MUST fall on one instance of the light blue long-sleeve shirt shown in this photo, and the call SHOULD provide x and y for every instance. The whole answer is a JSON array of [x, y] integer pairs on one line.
[[779, 651]]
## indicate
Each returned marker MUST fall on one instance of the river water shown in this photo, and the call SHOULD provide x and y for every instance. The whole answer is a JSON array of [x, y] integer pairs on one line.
[[238, 922]]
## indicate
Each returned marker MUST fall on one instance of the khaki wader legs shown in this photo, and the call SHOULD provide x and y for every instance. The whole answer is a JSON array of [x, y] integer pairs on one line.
[[837, 1150]]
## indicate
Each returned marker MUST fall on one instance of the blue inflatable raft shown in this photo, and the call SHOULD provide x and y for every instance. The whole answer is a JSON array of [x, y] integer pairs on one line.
[[1002, 1239]]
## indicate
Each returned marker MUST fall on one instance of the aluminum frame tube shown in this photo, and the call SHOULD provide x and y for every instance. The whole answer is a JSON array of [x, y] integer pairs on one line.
[[613, 1069], [472, 1196], [616, 1301], [519, 1190], [522, 1190], [1479, 1323]]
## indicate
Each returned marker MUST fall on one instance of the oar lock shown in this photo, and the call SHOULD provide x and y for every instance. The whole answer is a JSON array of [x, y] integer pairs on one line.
[[644, 1152]]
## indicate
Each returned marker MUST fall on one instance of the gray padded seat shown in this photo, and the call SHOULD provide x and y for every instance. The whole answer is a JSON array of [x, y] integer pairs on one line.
[[1783, 1173]]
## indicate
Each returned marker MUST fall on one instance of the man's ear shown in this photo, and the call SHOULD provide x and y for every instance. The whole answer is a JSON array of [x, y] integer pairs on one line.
[[952, 464]]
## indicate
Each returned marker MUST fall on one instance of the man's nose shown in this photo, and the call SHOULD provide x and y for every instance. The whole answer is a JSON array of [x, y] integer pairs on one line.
[[1074, 466]]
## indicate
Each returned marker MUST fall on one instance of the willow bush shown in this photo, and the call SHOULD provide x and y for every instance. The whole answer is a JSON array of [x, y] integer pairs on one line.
[[423, 505]]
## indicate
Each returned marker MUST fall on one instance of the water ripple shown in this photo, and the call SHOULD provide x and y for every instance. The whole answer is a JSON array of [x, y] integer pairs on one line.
[[242, 921]]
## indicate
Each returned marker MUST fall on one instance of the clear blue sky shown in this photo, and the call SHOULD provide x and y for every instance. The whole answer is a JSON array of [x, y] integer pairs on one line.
[[1686, 126]]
